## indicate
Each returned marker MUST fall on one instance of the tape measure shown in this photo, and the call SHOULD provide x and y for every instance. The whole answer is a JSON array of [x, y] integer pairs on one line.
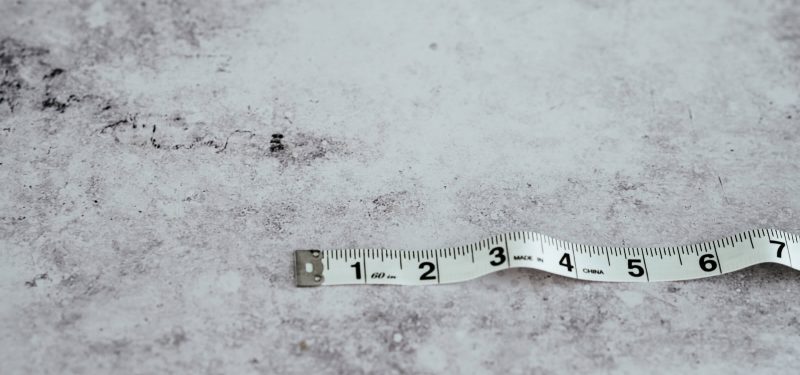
[[537, 251]]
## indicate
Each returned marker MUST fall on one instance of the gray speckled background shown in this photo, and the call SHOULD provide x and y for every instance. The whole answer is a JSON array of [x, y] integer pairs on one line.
[[147, 221]]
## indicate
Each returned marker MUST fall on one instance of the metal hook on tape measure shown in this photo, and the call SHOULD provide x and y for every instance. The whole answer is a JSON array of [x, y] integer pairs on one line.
[[308, 267], [545, 253]]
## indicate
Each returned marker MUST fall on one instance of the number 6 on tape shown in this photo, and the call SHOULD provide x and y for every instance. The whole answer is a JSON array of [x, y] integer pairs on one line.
[[533, 250]]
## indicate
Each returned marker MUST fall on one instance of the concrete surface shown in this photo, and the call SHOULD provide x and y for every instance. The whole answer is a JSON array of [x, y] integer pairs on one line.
[[148, 215]]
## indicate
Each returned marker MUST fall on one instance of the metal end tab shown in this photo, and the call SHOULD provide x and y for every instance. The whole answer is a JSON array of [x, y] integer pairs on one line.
[[308, 267]]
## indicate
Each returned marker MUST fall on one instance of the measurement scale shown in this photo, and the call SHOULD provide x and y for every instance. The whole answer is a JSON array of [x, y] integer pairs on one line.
[[537, 251]]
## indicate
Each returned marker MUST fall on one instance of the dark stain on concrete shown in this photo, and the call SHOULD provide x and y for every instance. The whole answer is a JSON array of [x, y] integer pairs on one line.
[[32, 282], [53, 73], [398, 202], [276, 144], [52, 102], [51, 93], [168, 133], [13, 56]]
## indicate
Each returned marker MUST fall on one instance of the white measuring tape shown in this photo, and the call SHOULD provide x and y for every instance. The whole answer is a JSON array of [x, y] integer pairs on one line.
[[533, 250]]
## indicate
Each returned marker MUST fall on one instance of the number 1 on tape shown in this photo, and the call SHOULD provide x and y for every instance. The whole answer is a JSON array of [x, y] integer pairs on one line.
[[533, 250]]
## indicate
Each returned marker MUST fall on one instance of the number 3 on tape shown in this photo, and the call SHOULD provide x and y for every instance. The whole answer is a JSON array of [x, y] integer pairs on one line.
[[533, 250]]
